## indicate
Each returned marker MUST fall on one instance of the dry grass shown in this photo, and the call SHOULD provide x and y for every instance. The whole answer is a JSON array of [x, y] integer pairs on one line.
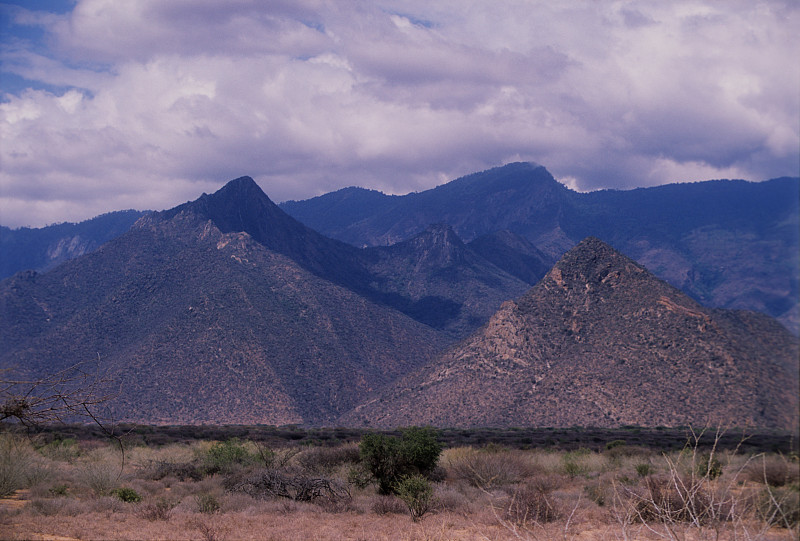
[[493, 493]]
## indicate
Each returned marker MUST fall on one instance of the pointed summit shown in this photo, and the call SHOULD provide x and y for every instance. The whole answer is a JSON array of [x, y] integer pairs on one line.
[[241, 206], [602, 342], [436, 246], [594, 266]]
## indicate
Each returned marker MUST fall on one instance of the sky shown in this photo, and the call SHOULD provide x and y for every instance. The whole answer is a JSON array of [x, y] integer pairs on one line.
[[108, 105]]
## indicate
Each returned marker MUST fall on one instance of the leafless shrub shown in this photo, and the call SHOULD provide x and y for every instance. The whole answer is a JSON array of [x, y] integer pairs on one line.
[[327, 459], [67, 395], [779, 506], [691, 494], [293, 485], [531, 504], [160, 509], [106, 504], [16, 459], [596, 492], [207, 503], [61, 450], [448, 498], [625, 451], [488, 470], [99, 473], [670, 499], [338, 505], [209, 532], [271, 458], [775, 471], [46, 506], [387, 505], [156, 470]]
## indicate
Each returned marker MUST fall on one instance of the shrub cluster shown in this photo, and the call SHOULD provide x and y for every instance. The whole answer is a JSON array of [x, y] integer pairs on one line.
[[126, 494], [417, 493], [390, 459]]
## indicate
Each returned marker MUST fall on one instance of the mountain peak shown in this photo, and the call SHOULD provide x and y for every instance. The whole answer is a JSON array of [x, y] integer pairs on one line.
[[240, 205], [242, 185], [438, 245], [592, 263], [602, 342], [441, 234]]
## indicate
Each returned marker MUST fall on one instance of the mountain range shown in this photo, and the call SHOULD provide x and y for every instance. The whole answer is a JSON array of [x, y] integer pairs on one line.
[[727, 243], [600, 341], [43, 248], [228, 310], [225, 309]]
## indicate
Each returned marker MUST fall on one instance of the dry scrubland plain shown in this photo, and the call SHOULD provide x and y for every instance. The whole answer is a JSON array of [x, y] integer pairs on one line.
[[238, 489]]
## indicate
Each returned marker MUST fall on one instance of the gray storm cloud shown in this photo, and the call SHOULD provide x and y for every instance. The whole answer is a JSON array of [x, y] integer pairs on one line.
[[144, 104]]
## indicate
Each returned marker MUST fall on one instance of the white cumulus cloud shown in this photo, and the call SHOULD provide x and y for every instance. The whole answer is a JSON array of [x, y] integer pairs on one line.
[[145, 104]]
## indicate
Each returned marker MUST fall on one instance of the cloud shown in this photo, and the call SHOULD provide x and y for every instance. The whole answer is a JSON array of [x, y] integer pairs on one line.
[[145, 103]]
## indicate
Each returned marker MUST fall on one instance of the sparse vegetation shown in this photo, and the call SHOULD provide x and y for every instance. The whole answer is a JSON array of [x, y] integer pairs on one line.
[[207, 503], [297, 490]]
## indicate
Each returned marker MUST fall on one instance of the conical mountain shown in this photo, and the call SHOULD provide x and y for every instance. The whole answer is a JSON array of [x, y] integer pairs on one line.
[[433, 278], [602, 342], [212, 312], [241, 206]]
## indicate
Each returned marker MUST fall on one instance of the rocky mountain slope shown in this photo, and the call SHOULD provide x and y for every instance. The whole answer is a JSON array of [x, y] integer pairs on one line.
[[600, 341], [227, 310], [728, 244], [514, 254], [197, 321], [448, 285], [43, 248]]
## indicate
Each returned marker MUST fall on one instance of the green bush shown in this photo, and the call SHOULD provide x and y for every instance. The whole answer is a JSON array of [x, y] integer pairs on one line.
[[223, 457], [59, 490], [127, 495], [417, 493], [709, 466], [390, 459], [615, 443], [644, 469]]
